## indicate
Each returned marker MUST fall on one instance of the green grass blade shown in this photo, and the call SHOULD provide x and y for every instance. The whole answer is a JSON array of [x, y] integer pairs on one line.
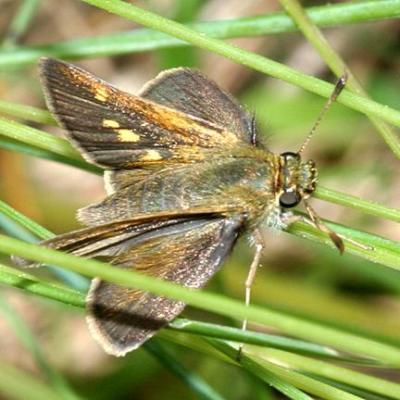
[[11, 228], [327, 370], [19, 147], [20, 385], [27, 113], [20, 22], [26, 222], [306, 330], [40, 139], [378, 250], [351, 389], [336, 63], [18, 220], [24, 334], [44, 141], [263, 339], [206, 347], [365, 206], [192, 380], [286, 381], [22, 280], [146, 40], [262, 361], [184, 12], [249, 59]]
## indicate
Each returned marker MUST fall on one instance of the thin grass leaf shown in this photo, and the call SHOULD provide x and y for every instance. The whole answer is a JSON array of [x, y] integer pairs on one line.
[[16, 278], [366, 206], [20, 23], [140, 40], [249, 59], [193, 381], [326, 370], [24, 334], [19, 147], [258, 338], [26, 222], [20, 385], [282, 385], [27, 113], [337, 64], [297, 377], [8, 226], [314, 302], [351, 389], [27, 282], [377, 249], [286, 381], [13, 226], [40, 140], [295, 326], [184, 12]]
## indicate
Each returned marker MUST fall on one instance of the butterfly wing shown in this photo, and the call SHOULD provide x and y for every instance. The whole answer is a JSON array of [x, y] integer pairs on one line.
[[108, 239], [118, 130], [185, 249], [189, 253], [191, 92]]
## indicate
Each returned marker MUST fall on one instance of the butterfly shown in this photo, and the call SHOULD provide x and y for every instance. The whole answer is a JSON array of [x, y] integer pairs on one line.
[[185, 175]]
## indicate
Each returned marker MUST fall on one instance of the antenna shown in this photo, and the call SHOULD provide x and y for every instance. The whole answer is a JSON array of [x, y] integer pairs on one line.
[[340, 84]]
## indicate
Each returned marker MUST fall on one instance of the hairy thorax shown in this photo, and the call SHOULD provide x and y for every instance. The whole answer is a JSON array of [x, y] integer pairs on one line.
[[236, 185]]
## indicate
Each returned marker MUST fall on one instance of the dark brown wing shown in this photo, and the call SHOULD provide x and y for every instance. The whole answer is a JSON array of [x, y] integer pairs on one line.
[[188, 253], [109, 239], [191, 92], [119, 130], [186, 249], [113, 238]]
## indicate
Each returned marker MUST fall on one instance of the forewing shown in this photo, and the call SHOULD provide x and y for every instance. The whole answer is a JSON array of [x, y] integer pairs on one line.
[[115, 129], [117, 179], [188, 253], [193, 93]]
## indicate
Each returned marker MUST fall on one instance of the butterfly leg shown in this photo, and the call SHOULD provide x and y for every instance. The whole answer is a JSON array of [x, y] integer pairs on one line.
[[337, 239], [259, 246]]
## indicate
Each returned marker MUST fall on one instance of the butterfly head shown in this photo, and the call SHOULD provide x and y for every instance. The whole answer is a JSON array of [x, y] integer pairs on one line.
[[296, 179]]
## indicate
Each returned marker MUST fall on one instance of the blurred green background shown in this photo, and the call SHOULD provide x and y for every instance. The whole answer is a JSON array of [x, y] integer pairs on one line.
[[297, 277]]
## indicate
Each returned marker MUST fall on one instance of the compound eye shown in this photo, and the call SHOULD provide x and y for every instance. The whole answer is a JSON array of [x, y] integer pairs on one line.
[[289, 199], [289, 156]]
